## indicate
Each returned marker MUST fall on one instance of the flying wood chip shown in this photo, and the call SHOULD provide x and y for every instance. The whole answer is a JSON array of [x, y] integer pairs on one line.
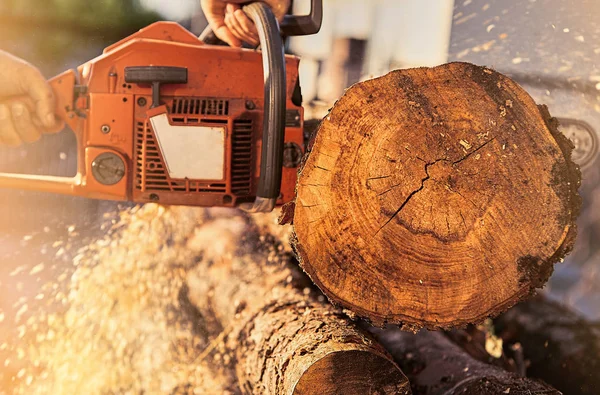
[[435, 197]]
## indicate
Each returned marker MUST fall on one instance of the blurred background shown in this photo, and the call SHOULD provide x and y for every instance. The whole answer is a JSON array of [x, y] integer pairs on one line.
[[551, 47]]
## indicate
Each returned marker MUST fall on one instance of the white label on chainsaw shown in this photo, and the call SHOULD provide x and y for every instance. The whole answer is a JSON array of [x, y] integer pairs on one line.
[[194, 152]]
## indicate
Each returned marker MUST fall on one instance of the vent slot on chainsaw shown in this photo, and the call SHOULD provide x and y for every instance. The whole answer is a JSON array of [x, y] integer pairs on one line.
[[150, 171], [241, 157], [200, 106]]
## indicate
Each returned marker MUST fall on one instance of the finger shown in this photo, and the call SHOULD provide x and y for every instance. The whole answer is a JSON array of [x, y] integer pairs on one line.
[[243, 25], [226, 35], [231, 8], [237, 28], [23, 123], [234, 24], [215, 15], [39, 90], [7, 130], [234, 27], [247, 26]]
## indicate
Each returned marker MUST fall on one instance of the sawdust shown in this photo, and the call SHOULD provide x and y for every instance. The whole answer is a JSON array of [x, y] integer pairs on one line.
[[126, 327]]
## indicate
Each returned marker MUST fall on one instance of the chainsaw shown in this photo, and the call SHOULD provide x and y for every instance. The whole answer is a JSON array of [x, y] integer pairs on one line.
[[165, 116]]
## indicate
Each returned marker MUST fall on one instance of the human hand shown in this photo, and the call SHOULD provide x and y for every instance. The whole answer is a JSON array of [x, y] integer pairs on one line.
[[26, 102], [231, 24]]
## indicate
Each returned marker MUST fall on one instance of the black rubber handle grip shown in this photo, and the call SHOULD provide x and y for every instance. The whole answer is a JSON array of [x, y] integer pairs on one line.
[[150, 74]]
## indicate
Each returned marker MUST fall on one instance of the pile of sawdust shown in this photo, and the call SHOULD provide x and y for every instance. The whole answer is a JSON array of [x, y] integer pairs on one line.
[[127, 327]]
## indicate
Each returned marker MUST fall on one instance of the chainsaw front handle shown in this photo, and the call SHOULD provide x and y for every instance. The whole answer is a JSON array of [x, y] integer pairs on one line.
[[271, 164], [271, 44], [62, 85]]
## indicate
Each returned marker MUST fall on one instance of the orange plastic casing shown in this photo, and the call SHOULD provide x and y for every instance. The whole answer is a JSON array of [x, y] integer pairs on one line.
[[225, 88]]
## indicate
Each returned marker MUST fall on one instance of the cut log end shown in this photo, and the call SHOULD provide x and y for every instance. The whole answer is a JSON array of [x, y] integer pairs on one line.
[[353, 372], [435, 197]]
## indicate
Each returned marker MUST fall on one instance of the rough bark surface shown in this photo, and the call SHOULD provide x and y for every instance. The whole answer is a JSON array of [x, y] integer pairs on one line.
[[435, 197], [435, 365], [562, 348], [281, 338]]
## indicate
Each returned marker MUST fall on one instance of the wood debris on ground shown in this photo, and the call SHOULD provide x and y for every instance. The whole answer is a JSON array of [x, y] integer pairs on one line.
[[125, 327]]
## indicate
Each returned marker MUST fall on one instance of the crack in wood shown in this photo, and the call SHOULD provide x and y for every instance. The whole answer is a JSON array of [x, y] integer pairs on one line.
[[427, 177], [410, 196]]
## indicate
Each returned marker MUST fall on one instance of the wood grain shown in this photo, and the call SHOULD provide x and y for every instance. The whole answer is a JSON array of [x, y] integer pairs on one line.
[[435, 197]]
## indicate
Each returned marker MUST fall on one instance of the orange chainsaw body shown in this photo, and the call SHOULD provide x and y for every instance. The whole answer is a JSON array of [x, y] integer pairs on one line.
[[154, 154]]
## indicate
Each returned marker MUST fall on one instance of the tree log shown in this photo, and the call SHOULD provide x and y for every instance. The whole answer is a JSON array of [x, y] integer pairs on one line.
[[435, 365], [474, 341], [281, 337], [562, 348], [435, 197]]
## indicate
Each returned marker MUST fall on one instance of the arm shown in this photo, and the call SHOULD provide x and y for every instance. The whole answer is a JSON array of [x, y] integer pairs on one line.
[[232, 25], [20, 122]]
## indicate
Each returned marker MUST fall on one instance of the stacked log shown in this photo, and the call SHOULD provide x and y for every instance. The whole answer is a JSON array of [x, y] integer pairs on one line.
[[280, 337], [560, 347], [435, 365], [266, 329]]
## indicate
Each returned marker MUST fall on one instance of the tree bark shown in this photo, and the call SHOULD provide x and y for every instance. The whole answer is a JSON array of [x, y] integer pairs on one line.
[[265, 318], [435, 197], [561, 347], [435, 365]]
